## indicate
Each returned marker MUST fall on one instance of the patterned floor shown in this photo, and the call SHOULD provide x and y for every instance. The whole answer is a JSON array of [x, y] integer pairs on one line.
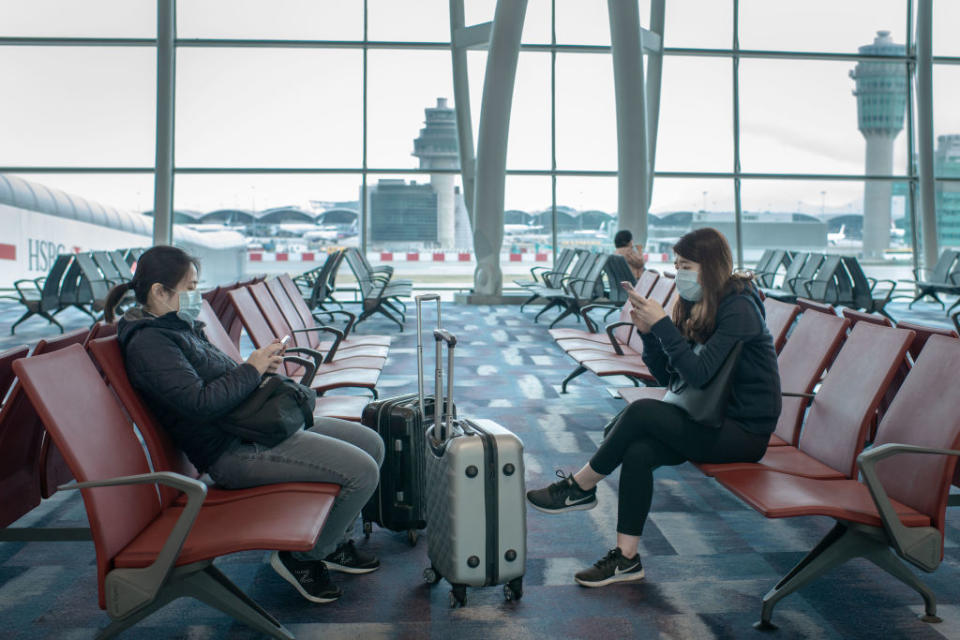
[[708, 558]]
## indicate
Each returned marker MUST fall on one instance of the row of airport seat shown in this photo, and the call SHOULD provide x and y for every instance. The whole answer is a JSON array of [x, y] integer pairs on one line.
[[162, 544], [849, 380]]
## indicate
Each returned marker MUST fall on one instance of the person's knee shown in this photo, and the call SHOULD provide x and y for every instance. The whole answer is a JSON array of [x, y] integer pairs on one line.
[[366, 475], [640, 454]]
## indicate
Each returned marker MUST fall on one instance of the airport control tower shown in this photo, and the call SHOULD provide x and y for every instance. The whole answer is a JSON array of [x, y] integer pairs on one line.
[[881, 101], [437, 148]]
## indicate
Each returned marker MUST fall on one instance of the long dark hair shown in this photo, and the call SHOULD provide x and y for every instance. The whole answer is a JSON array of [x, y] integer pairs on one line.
[[707, 246], [164, 264]]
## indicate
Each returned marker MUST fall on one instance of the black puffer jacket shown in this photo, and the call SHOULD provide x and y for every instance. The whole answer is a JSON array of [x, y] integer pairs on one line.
[[186, 381], [755, 389]]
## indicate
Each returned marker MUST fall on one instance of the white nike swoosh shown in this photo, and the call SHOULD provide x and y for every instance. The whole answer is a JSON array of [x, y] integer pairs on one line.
[[570, 504], [617, 571]]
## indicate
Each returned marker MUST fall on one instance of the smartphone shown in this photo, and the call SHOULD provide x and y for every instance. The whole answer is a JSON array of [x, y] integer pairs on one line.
[[284, 340]]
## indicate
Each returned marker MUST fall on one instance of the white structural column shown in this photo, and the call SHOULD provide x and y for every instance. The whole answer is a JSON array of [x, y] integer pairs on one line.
[[928, 205], [876, 196], [495, 107], [461, 100], [166, 80], [654, 80], [633, 181]]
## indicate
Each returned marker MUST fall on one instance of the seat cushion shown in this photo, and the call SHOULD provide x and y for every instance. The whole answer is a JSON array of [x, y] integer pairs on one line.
[[567, 333], [777, 441], [632, 394], [619, 366], [219, 495], [343, 407], [346, 378], [287, 521], [784, 459], [780, 495], [358, 362], [363, 350]]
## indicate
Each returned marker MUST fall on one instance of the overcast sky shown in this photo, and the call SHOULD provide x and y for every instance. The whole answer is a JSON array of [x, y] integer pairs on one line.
[[95, 106]]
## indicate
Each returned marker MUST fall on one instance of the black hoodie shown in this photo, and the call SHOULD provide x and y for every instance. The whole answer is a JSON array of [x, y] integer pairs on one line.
[[755, 390], [185, 380]]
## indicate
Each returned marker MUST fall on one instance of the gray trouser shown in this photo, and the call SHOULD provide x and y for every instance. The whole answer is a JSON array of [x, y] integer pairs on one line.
[[336, 451]]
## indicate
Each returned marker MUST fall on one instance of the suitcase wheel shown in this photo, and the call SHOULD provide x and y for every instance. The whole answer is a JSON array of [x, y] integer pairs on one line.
[[431, 576], [412, 537], [458, 596], [513, 590]]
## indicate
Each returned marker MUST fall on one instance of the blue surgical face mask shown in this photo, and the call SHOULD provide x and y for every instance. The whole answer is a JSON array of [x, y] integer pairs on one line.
[[688, 287], [190, 305]]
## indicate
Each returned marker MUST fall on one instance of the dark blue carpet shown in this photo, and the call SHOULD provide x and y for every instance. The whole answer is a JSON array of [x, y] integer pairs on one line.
[[708, 558]]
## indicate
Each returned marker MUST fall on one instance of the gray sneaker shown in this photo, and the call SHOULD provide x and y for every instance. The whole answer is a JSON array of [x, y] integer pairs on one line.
[[563, 495], [613, 567]]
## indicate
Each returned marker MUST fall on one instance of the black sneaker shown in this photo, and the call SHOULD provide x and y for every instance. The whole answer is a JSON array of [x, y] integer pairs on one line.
[[348, 559], [611, 568], [563, 495], [310, 578]]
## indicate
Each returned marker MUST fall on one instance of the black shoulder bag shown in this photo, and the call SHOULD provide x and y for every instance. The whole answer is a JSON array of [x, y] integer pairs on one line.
[[273, 412], [707, 405]]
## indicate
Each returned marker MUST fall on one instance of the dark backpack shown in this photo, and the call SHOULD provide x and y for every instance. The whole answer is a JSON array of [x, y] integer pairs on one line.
[[273, 412]]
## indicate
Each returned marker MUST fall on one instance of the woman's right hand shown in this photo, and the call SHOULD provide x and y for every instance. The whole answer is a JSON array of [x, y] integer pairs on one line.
[[266, 359]]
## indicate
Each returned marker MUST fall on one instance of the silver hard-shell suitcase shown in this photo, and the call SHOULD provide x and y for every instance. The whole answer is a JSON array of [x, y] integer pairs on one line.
[[476, 516]]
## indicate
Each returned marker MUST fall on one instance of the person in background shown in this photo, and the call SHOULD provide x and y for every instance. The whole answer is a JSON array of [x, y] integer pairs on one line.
[[623, 242]]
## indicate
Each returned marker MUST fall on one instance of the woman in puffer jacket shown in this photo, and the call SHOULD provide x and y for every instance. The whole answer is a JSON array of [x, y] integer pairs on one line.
[[190, 385]]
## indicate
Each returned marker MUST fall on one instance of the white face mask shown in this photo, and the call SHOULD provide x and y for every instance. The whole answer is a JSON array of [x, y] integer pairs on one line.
[[191, 302], [688, 287]]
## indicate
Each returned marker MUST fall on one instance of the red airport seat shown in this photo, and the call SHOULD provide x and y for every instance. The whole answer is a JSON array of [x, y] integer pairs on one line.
[[843, 409], [308, 333], [897, 513], [261, 334], [147, 551], [343, 407]]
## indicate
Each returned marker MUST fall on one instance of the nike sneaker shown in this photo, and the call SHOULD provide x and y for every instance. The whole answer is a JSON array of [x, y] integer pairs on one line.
[[611, 568], [563, 495]]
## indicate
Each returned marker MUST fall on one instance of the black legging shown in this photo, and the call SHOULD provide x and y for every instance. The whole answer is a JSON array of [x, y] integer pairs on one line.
[[651, 433]]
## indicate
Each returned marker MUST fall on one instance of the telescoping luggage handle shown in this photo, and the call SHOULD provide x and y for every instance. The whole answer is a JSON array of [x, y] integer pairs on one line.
[[426, 297], [445, 429]]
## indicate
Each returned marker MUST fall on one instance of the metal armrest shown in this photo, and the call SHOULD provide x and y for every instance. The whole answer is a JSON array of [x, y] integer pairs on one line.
[[315, 355], [613, 339], [131, 589], [590, 307], [23, 294], [338, 338], [919, 546], [309, 365], [533, 272], [351, 319], [568, 285]]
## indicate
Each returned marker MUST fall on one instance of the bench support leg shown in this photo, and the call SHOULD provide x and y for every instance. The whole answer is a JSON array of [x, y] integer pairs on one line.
[[551, 305], [209, 585], [528, 301], [580, 370], [845, 542], [923, 294]]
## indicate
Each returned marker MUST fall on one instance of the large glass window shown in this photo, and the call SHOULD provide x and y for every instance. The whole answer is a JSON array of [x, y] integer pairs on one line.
[[87, 19], [269, 108], [63, 106], [819, 25], [275, 128], [277, 19]]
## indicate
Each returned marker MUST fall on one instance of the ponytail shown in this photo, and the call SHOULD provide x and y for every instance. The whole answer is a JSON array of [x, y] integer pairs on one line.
[[164, 264], [113, 300]]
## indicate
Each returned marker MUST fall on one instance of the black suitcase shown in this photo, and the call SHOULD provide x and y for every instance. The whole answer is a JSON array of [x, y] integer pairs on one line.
[[397, 504]]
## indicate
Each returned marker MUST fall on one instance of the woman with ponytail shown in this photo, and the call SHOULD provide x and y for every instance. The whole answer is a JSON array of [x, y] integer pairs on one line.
[[717, 309], [190, 385]]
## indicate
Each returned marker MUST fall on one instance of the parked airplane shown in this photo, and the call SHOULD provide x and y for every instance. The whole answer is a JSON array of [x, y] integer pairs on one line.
[[835, 238]]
